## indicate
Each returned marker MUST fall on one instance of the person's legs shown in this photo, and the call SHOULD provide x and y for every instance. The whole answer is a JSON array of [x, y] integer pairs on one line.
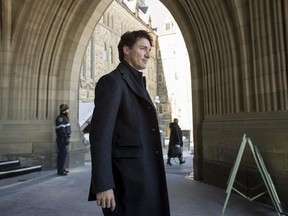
[[169, 161], [169, 154], [181, 160], [61, 157]]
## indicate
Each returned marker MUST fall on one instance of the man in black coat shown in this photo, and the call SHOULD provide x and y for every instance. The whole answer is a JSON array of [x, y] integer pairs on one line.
[[175, 142], [128, 175]]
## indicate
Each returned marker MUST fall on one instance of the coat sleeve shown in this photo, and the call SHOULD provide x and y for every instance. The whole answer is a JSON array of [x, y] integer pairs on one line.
[[107, 102], [176, 134]]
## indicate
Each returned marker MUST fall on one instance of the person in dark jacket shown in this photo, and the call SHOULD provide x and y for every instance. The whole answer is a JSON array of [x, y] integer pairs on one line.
[[175, 139], [128, 173], [63, 133]]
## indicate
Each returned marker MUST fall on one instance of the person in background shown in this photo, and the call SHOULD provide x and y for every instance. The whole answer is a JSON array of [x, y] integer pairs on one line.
[[63, 133], [175, 139], [128, 173]]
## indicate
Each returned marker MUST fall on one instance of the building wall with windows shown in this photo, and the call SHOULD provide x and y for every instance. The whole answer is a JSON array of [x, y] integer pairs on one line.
[[174, 78], [102, 54]]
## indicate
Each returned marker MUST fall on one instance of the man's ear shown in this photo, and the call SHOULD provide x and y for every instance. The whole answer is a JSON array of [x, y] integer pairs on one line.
[[126, 50]]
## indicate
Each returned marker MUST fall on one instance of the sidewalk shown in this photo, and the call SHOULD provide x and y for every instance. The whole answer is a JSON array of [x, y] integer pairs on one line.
[[44, 193], [194, 198]]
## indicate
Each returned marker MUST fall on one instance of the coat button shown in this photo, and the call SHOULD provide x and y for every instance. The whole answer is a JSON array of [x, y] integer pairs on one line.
[[153, 130], [149, 108], [157, 153]]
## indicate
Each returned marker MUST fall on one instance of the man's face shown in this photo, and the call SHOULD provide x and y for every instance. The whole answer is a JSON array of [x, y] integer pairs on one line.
[[139, 54]]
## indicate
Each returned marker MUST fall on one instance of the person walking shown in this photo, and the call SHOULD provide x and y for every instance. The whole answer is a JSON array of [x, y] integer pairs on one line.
[[175, 141], [63, 133], [128, 173]]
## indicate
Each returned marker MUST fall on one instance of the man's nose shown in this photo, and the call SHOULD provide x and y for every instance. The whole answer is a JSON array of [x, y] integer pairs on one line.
[[147, 54]]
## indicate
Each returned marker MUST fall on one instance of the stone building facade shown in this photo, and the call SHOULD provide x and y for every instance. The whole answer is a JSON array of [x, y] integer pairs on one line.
[[101, 55]]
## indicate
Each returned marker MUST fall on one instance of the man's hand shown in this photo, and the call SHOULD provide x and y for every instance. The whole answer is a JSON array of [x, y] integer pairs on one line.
[[106, 199]]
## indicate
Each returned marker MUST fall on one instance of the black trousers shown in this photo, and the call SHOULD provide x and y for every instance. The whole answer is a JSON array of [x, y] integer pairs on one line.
[[61, 157]]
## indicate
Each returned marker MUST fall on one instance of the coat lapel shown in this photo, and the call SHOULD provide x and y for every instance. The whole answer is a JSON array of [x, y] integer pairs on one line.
[[133, 84]]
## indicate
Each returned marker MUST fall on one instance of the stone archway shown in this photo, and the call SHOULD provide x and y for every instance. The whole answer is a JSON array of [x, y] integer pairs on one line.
[[42, 44], [238, 53], [238, 56], [178, 11], [211, 36]]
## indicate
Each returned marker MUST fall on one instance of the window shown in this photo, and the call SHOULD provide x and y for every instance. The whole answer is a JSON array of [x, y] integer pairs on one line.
[[104, 19], [112, 22], [160, 108], [160, 78], [105, 52], [122, 28], [92, 58], [111, 58], [167, 26], [108, 19], [83, 69]]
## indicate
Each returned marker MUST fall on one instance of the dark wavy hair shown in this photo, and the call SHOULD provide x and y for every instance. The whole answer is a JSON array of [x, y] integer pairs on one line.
[[130, 38]]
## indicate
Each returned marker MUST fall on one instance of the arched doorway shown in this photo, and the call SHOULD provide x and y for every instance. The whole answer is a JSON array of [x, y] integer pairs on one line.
[[238, 71]]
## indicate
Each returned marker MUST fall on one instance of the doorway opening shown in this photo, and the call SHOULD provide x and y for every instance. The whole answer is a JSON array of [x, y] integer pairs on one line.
[[168, 73]]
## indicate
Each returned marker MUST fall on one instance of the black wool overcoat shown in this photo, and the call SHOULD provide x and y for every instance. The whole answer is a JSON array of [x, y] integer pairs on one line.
[[175, 137], [126, 150]]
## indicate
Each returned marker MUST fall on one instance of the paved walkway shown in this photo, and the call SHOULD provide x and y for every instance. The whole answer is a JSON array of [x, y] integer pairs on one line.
[[46, 194]]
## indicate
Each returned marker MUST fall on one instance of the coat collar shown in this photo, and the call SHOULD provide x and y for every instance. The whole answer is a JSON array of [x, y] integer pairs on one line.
[[132, 83]]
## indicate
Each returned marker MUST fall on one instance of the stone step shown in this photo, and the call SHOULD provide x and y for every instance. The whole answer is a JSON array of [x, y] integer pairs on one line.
[[13, 168], [6, 165]]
